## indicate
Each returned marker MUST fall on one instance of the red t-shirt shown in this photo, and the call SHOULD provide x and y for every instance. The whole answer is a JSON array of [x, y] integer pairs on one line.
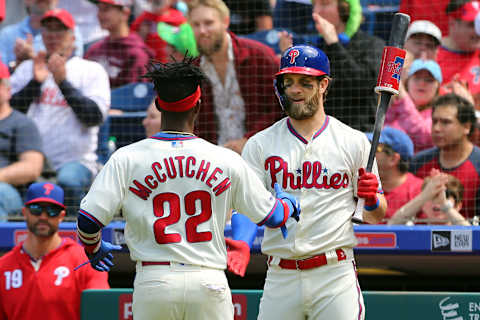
[[466, 64], [53, 291], [405, 192], [433, 11]]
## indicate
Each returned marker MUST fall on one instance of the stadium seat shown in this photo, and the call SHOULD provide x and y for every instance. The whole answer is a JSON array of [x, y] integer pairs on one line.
[[132, 97], [267, 37]]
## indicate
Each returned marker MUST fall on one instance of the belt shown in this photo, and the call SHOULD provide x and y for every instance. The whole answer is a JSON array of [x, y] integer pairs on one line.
[[155, 263], [309, 263]]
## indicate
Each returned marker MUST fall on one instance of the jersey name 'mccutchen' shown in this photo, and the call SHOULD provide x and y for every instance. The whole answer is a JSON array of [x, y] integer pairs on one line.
[[181, 167]]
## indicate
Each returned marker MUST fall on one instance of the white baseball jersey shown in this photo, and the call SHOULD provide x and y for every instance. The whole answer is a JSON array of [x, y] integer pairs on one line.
[[174, 192], [64, 137], [321, 173]]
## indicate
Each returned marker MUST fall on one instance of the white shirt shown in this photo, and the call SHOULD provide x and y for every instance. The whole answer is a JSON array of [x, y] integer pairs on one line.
[[64, 137], [227, 99], [174, 210], [321, 173]]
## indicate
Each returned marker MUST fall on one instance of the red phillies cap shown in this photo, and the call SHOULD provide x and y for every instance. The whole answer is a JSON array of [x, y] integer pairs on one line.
[[4, 73], [60, 14], [122, 3], [467, 12]]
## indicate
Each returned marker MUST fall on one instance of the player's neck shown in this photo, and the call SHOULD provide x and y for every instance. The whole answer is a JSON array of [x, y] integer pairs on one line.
[[308, 127], [37, 247]]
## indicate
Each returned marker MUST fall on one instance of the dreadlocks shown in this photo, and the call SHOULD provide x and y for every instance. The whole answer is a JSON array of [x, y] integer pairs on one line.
[[176, 80]]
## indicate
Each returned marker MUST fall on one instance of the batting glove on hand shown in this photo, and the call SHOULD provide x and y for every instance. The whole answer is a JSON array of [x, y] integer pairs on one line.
[[367, 187], [102, 259], [238, 256], [295, 206]]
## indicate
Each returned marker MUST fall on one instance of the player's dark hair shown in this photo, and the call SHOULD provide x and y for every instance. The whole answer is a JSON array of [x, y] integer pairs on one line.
[[174, 81], [465, 110], [453, 5]]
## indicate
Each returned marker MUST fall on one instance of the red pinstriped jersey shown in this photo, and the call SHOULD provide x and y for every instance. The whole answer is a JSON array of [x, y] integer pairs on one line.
[[53, 291]]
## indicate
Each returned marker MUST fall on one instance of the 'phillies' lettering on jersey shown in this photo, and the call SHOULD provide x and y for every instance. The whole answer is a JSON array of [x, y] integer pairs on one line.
[[311, 175], [182, 167]]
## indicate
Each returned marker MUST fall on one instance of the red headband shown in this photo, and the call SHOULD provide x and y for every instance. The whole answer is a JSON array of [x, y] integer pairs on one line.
[[181, 105]]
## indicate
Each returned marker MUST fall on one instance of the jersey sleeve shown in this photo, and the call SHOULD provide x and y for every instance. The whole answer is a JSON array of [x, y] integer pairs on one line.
[[252, 154], [250, 196], [107, 192]]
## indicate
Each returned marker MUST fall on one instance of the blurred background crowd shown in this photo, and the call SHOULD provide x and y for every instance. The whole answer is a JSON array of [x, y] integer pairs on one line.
[[72, 91]]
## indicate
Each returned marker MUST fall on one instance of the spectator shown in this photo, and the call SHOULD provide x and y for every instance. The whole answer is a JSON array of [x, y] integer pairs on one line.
[[180, 41], [458, 56], [68, 98], [249, 16], [427, 10], [146, 25], [152, 121], [423, 39], [122, 53], [239, 100], [393, 155], [439, 202], [453, 121], [354, 58], [411, 111], [21, 158], [20, 41], [40, 281], [85, 14]]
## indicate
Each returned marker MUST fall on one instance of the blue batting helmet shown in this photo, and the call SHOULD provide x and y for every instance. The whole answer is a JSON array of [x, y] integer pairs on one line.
[[301, 59]]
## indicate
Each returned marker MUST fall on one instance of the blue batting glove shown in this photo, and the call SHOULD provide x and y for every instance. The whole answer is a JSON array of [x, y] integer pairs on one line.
[[280, 194], [102, 259]]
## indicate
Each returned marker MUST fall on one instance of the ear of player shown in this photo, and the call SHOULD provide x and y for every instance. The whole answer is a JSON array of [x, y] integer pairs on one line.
[[368, 188]]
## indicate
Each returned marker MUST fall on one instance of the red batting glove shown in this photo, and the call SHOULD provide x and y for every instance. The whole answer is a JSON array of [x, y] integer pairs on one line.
[[238, 256], [367, 187]]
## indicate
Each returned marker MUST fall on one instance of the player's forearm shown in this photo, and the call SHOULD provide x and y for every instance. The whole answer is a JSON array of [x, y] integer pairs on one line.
[[89, 232], [376, 215]]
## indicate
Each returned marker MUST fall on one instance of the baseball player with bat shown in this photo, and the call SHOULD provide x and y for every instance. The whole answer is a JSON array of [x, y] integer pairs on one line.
[[175, 190], [311, 274]]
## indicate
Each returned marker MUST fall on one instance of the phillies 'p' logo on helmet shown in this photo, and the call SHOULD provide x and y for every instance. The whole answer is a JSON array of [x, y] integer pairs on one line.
[[301, 59]]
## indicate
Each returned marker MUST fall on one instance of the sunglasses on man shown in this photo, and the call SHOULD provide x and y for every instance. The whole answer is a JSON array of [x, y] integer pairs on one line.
[[51, 210]]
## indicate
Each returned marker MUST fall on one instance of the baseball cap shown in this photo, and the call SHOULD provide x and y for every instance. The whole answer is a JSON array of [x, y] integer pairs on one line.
[[396, 139], [466, 12], [429, 65], [60, 14], [120, 3], [424, 26], [4, 73], [181, 37], [44, 192]]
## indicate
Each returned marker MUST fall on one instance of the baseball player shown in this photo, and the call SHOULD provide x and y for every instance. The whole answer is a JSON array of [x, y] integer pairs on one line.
[[175, 190], [37, 277], [311, 273]]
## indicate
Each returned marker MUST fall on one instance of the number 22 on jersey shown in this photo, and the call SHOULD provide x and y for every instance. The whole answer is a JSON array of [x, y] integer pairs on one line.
[[190, 200]]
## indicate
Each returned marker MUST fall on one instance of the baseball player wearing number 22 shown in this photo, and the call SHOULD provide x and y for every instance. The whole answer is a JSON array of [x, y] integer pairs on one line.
[[175, 190], [320, 160]]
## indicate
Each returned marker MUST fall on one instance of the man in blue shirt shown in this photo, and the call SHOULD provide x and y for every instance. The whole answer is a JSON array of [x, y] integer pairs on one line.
[[20, 41]]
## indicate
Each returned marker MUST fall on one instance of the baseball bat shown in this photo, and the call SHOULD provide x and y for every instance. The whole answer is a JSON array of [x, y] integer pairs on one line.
[[387, 85]]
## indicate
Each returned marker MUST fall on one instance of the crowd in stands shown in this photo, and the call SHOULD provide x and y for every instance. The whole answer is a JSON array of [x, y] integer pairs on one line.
[[61, 59]]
